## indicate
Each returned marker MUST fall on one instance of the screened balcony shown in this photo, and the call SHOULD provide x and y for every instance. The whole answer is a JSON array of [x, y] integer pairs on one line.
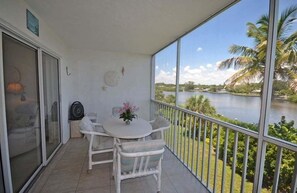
[[160, 54]]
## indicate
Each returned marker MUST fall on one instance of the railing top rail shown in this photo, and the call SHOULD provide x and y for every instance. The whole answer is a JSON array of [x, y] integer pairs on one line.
[[280, 143], [219, 122]]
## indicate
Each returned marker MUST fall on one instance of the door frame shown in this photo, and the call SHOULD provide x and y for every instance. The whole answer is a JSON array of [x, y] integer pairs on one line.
[[23, 38]]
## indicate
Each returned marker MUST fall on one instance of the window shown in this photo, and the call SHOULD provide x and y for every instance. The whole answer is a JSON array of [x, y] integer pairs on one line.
[[283, 108]]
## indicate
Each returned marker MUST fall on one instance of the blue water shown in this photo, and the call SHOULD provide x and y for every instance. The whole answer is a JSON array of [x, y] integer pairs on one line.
[[244, 108]]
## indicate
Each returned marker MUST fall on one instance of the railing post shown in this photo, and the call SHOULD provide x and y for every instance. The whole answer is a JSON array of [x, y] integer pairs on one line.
[[216, 159], [225, 159], [246, 155], [277, 169], [294, 179], [175, 130]]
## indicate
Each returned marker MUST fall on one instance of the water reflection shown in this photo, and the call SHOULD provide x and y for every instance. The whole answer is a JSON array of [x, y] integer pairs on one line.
[[244, 108]]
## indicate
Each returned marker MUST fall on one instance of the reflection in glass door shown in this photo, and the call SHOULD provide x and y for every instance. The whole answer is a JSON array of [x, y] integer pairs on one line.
[[51, 102], [22, 109]]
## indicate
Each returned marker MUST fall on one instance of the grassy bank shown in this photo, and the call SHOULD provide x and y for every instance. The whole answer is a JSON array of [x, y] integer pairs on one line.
[[187, 151]]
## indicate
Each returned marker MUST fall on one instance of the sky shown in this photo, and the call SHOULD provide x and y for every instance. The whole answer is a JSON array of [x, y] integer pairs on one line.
[[205, 47]]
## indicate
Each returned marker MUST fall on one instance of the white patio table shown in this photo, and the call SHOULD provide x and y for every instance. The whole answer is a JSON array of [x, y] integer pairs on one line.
[[138, 128], [117, 128]]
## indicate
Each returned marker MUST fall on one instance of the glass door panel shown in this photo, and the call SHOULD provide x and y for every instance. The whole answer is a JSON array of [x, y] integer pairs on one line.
[[51, 102], [22, 109]]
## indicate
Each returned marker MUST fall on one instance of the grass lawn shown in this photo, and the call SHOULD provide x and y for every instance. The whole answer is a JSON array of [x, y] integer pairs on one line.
[[187, 151]]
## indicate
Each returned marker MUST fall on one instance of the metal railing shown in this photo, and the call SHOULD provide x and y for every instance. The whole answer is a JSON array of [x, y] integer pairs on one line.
[[209, 148]]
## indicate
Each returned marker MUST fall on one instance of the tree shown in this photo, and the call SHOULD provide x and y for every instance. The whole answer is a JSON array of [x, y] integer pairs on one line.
[[189, 86], [159, 95], [200, 104], [251, 60], [170, 99]]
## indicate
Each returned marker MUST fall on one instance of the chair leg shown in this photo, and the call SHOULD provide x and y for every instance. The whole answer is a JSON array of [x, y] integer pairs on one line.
[[114, 156], [159, 176], [118, 185], [90, 161], [159, 182]]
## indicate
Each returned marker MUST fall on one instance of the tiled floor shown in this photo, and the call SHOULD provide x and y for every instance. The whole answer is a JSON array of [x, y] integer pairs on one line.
[[67, 173]]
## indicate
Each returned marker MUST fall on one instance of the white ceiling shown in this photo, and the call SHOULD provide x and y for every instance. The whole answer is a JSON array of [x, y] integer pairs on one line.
[[136, 26]]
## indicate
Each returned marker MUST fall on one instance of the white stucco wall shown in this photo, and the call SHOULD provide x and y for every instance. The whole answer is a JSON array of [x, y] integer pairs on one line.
[[87, 68], [13, 15], [134, 86]]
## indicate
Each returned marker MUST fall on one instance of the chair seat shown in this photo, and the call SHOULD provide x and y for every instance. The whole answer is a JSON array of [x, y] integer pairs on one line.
[[159, 125], [99, 129], [137, 159], [148, 138], [101, 142]]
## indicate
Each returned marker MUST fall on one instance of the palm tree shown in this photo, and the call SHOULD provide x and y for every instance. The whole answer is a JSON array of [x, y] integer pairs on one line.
[[251, 60], [200, 104]]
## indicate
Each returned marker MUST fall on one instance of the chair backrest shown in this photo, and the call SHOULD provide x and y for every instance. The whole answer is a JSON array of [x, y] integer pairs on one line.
[[92, 116], [86, 124], [141, 156], [159, 123], [115, 112]]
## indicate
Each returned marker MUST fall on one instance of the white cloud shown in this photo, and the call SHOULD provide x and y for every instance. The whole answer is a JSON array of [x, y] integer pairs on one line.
[[202, 68], [188, 70], [218, 63], [157, 67], [208, 65], [199, 49], [206, 74], [166, 77]]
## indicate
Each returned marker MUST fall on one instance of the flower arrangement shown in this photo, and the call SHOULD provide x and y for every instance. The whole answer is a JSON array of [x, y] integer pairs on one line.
[[127, 112]]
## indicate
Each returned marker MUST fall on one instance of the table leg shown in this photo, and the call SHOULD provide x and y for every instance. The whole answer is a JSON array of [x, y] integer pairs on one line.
[[114, 156]]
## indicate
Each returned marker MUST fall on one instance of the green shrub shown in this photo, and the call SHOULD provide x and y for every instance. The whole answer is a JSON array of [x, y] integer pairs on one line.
[[293, 98]]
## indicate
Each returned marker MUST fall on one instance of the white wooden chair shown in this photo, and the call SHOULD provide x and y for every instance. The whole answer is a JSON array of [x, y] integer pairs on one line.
[[99, 141], [92, 116], [137, 159], [159, 125]]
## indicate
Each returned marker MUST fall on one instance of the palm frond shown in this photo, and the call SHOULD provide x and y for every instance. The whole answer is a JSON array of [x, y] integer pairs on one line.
[[255, 32], [236, 62], [293, 85], [292, 40], [242, 50], [287, 18], [251, 61], [243, 75]]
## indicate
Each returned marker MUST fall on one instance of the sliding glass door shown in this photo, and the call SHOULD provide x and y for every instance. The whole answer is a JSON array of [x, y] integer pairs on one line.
[[1, 175], [50, 67], [21, 83]]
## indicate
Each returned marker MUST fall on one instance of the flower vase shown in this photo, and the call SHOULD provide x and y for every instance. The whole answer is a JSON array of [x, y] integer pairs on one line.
[[127, 122]]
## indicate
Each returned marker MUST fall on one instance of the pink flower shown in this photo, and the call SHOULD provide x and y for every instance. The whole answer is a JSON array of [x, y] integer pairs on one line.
[[127, 106]]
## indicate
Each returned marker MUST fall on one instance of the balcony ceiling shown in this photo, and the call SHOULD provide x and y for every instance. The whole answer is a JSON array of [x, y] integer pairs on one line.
[[134, 26]]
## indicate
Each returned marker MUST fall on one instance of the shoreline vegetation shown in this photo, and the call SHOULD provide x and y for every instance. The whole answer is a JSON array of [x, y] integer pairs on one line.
[[281, 90]]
